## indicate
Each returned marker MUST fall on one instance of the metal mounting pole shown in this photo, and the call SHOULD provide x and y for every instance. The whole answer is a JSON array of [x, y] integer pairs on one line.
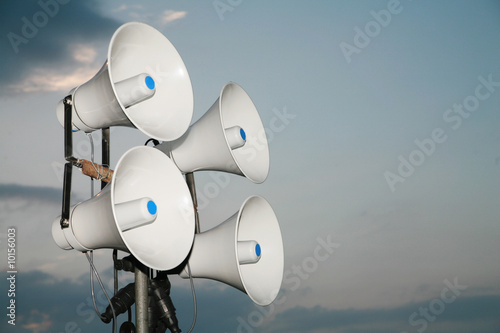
[[141, 298], [192, 190], [105, 151]]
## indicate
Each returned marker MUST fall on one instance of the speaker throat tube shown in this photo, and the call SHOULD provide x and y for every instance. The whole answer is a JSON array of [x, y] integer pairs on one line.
[[249, 252], [135, 89], [135, 213], [235, 136]]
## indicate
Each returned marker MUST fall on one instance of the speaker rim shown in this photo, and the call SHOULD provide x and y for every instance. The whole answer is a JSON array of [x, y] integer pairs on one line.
[[186, 195], [242, 274], [247, 171], [180, 128]]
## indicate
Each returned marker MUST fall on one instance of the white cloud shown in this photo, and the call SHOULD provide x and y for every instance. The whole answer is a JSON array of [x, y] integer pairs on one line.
[[84, 53], [127, 7], [38, 321], [47, 79], [121, 8], [172, 15], [43, 80]]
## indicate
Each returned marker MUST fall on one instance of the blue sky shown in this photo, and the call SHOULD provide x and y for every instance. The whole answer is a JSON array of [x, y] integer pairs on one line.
[[389, 150]]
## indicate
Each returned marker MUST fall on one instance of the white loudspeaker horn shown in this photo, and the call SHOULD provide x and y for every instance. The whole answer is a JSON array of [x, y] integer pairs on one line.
[[145, 210], [229, 137], [144, 84], [245, 251]]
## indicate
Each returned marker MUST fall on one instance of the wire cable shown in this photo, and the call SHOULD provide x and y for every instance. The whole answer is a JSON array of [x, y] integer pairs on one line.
[[94, 270], [91, 256], [194, 298]]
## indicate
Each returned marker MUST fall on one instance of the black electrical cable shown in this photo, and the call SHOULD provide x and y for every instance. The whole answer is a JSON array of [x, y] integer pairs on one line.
[[160, 289], [120, 303], [155, 142]]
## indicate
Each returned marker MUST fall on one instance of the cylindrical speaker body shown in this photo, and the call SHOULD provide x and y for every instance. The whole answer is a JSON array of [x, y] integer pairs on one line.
[[204, 146], [96, 105], [93, 223], [213, 255]]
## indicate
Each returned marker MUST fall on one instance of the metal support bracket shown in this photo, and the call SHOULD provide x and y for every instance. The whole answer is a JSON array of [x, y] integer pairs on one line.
[[68, 155], [73, 161]]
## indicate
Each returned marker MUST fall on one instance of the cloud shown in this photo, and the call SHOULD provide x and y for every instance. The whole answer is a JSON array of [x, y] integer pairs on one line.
[[84, 53], [54, 303], [38, 321], [42, 79], [171, 15], [31, 210], [39, 41], [466, 314], [56, 48], [46, 194], [44, 300], [124, 7], [139, 13]]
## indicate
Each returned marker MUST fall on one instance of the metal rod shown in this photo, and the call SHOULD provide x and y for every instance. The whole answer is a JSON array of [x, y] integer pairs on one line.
[[115, 281], [66, 199], [192, 189], [68, 129], [68, 167], [141, 298], [105, 151], [115, 272]]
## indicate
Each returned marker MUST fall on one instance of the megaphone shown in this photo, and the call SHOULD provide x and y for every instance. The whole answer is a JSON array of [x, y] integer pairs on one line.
[[229, 137], [144, 84], [245, 251], [145, 210]]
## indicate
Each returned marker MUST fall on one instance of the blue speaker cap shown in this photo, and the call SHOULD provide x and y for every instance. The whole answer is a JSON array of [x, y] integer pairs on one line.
[[150, 83], [152, 207], [243, 134], [257, 250]]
